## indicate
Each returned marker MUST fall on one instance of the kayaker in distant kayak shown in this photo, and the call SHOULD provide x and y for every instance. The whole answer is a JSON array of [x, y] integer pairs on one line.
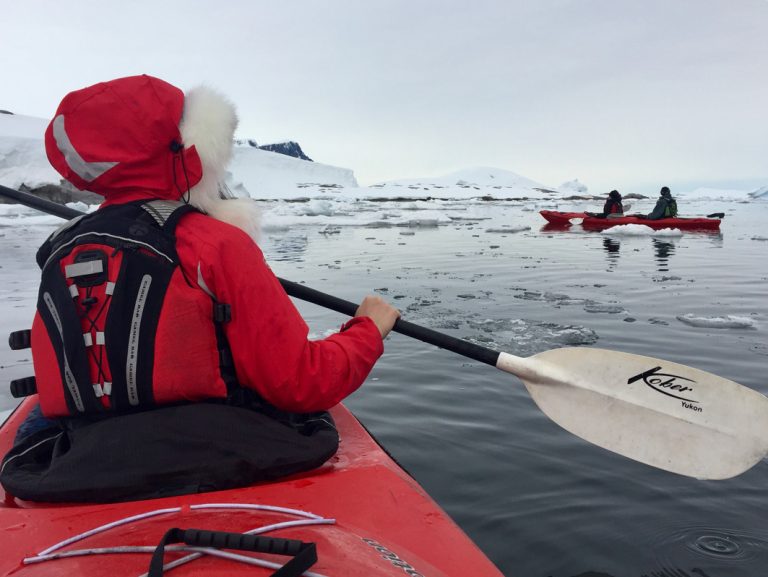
[[612, 208], [162, 296], [666, 206]]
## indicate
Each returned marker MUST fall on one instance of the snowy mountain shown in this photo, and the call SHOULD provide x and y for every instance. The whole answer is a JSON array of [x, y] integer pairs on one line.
[[22, 153], [478, 178], [268, 175], [254, 172], [573, 187], [289, 148]]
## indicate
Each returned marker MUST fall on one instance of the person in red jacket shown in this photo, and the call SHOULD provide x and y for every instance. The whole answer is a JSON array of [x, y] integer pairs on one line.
[[612, 208], [140, 140], [112, 122]]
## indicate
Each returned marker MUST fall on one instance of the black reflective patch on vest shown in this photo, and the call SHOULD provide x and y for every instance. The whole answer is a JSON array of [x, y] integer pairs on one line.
[[63, 327], [128, 387]]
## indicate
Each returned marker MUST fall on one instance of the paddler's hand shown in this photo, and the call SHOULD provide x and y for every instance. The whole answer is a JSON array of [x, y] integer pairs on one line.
[[380, 312]]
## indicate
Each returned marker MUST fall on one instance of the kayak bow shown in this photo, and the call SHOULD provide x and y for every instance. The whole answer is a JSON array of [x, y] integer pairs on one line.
[[364, 513]]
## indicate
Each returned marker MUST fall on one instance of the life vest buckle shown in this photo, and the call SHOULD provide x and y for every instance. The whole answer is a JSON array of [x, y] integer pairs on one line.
[[89, 268], [222, 313]]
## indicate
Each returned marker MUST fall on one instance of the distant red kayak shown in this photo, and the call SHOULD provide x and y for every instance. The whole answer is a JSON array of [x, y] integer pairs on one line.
[[364, 513], [594, 223]]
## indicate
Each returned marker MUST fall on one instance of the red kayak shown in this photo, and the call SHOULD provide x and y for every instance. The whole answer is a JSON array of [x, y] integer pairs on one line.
[[594, 223], [364, 513]]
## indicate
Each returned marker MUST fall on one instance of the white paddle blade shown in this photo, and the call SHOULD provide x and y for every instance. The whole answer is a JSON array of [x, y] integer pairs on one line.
[[664, 414]]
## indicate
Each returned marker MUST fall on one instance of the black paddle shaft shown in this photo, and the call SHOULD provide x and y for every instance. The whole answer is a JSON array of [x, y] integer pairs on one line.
[[41, 204], [299, 291]]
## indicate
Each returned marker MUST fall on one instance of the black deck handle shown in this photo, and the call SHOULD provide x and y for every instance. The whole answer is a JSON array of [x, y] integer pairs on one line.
[[304, 554]]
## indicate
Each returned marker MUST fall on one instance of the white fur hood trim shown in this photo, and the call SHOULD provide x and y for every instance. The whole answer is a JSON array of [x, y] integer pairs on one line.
[[208, 123]]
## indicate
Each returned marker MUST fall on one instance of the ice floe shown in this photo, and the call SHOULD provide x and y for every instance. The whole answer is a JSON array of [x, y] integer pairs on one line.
[[507, 229], [640, 230], [719, 322]]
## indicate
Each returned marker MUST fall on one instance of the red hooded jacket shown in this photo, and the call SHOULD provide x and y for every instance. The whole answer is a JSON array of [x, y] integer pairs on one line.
[[122, 139], [267, 335]]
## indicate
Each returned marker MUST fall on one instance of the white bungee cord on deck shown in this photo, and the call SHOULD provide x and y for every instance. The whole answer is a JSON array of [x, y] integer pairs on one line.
[[308, 519]]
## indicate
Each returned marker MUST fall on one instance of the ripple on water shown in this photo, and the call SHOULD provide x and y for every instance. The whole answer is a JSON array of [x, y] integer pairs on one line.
[[714, 552], [760, 349]]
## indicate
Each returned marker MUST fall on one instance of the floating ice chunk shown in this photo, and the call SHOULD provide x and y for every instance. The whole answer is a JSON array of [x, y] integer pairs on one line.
[[379, 224], [723, 322], [26, 217], [640, 230], [508, 229], [317, 207], [82, 207], [604, 308], [668, 232], [421, 222], [275, 226], [527, 337], [573, 186]]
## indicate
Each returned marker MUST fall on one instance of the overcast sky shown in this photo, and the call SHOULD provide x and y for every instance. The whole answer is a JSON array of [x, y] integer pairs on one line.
[[627, 94]]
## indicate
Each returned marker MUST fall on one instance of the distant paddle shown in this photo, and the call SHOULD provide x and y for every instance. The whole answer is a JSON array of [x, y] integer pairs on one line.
[[660, 413]]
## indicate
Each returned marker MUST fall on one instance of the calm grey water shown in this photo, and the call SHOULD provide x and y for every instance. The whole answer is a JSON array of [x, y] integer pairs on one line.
[[539, 501]]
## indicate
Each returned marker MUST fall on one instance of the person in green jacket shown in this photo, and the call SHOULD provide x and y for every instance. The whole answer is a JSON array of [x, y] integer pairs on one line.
[[666, 206]]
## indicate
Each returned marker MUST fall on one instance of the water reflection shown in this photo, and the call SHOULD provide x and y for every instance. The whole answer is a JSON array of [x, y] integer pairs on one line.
[[663, 249], [287, 247], [612, 247], [556, 227], [717, 239]]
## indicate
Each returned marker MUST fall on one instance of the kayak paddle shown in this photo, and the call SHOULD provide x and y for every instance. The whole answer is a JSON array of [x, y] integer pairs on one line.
[[660, 413]]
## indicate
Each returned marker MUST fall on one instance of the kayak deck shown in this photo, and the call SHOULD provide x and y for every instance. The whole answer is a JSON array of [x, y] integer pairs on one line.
[[594, 223], [366, 515]]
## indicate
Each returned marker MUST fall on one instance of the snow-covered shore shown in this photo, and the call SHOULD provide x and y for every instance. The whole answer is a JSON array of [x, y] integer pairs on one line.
[[268, 176]]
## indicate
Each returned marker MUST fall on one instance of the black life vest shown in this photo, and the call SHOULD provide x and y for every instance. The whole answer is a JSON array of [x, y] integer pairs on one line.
[[118, 327]]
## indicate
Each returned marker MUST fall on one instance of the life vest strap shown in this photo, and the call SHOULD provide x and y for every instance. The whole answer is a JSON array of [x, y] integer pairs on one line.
[[23, 387], [222, 313], [19, 340]]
